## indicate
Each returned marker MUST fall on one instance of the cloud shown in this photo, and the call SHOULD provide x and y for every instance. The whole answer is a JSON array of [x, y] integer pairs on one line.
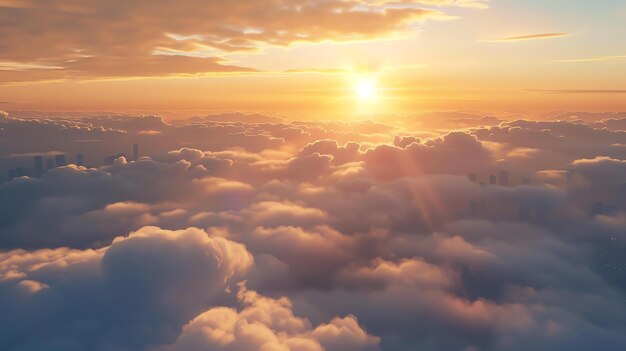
[[238, 117], [447, 154], [560, 142], [266, 323], [458, 295], [449, 120], [531, 37], [149, 289], [351, 236], [602, 170], [182, 38], [579, 91], [595, 59], [142, 289]]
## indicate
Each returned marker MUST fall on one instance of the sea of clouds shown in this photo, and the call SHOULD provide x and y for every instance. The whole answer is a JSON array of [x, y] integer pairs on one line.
[[237, 232]]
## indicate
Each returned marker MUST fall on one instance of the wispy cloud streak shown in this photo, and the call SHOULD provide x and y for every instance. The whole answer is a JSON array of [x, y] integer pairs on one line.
[[595, 59], [530, 37]]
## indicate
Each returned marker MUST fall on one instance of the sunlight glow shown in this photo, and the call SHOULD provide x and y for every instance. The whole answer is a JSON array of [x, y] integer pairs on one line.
[[366, 89]]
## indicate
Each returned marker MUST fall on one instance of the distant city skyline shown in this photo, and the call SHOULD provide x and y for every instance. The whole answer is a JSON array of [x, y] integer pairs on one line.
[[60, 160]]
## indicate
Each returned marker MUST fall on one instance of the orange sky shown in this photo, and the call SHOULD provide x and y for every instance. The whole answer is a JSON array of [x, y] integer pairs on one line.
[[306, 58]]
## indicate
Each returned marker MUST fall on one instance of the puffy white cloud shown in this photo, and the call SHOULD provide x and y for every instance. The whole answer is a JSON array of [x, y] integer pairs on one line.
[[480, 285], [601, 170], [137, 292], [270, 324]]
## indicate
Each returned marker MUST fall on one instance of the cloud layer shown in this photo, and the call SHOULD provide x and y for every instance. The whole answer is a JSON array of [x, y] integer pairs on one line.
[[235, 234]]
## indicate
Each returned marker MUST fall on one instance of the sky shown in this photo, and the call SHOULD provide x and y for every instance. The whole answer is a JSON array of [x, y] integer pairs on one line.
[[306, 59], [328, 175]]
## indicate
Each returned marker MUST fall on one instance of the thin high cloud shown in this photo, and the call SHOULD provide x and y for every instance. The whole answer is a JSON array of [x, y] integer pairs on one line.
[[122, 39], [480, 4], [578, 91], [595, 59], [540, 36]]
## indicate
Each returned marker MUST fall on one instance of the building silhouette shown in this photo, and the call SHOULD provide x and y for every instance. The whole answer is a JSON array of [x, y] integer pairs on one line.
[[135, 152], [109, 160], [17, 172], [504, 178], [493, 179], [80, 160], [473, 177], [59, 161], [49, 164], [38, 160]]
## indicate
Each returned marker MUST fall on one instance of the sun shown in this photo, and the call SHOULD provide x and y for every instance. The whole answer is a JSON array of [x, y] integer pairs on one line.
[[366, 89]]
